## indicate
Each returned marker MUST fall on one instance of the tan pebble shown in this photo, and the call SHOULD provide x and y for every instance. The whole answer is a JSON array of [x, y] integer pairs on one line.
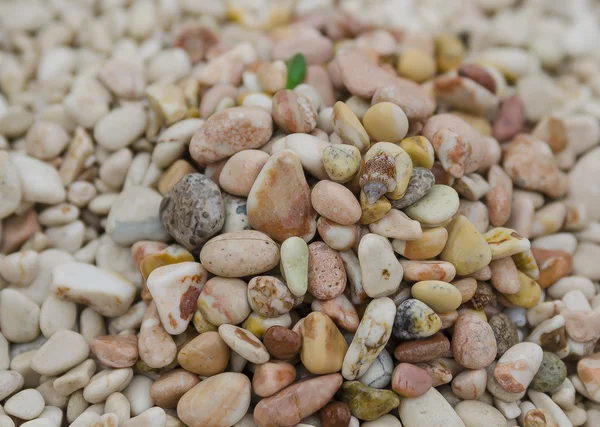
[[340, 310], [308, 148], [335, 202], [348, 127], [431, 244], [553, 265], [420, 151], [241, 170], [472, 186], [414, 100], [448, 319], [224, 300], [173, 174], [386, 122], [473, 342], [269, 296], [271, 377], [416, 65], [360, 75], [470, 384], [244, 343], [449, 52], [467, 288], [341, 162], [440, 296], [283, 343], [207, 354], [323, 346], [116, 351], [326, 273], [529, 293], [505, 278], [337, 236], [397, 225], [156, 347], [293, 113], [415, 271]]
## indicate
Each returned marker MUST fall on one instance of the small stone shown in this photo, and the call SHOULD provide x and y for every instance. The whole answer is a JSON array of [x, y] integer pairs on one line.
[[341, 162], [505, 278], [582, 326], [335, 202], [269, 297], [19, 317], [293, 113], [587, 370], [470, 384], [40, 182], [244, 343], [379, 373], [505, 332], [336, 236], [335, 414], [10, 186], [386, 122], [279, 203], [463, 234], [397, 225], [440, 296], [326, 273], [221, 400], [475, 413], [170, 387], [50, 359], [415, 271], [436, 207], [371, 337], [109, 294], [10, 382], [583, 260], [282, 343], [430, 245], [116, 351], [258, 325], [271, 377], [410, 381], [415, 320], [207, 355], [473, 342], [551, 373], [422, 350], [27, 404], [347, 126], [529, 293], [419, 411], [156, 347], [372, 212], [340, 310], [194, 196], [106, 382], [381, 271], [323, 346], [525, 262], [294, 264], [517, 367], [419, 185], [230, 131], [75, 379], [506, 242], [367, 403], [240, 171]]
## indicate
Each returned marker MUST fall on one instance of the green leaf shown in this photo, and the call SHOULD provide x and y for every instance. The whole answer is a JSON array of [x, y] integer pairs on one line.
[[296, 66]]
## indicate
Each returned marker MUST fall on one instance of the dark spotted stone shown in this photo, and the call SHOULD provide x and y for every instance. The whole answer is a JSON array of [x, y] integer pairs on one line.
[[193, 211], [414, 320], [505, 332], [420, 183], [551, 374]]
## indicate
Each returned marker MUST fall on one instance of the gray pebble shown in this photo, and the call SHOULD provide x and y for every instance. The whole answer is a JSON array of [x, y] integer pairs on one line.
[[505, 332], [551, 374], [193, 211], [420, 183]]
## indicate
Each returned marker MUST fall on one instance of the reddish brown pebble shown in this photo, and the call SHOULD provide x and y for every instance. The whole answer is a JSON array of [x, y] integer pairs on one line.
[[478, 74], [553, 265], [410, 381], [510, 119], [326, 273], [422, 350], [169, 387], [335, 414], [282, 343], [116, 351]]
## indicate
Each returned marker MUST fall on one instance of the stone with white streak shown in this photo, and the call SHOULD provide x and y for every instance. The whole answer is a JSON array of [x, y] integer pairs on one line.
[[517, 366], [175, 289], [381, 270], [108, 293], [371, 337], [244, 343]]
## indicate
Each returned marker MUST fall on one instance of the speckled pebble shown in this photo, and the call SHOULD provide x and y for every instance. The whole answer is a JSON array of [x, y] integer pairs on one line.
[[414, 319], [436, 207], [550, 375], [420, 183], [505, 332]]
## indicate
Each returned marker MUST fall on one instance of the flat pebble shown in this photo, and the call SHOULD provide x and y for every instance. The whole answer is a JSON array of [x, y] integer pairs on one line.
[[462, 234], [40, 182], [410, 381], [206, 355], [19, 317], [224, 300], [417, 411], [436, 207], [116, 351], [475, 413], [323, 345], [26, 404], [244, 343]]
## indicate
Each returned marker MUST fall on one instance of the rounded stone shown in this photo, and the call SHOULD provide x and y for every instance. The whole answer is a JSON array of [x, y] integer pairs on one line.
[[475, 413], [436, 207], [282, 343], [269, 297], [207, 354], [414, 320], [224, 300], [410, 381], [439, 296], [171, 386], [386, 121], [335, 202], [326, 273], [379, 373], [505, 332], [335, 414], [193, 211], [473, 342], [323, 345], [466, 247], [419, 185], [367, 403], [550, 375]]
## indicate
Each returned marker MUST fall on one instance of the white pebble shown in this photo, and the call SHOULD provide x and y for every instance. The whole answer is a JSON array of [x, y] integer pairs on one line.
[[138, 394], [20, 268], [26, 404], [19, 317], [57, 314]]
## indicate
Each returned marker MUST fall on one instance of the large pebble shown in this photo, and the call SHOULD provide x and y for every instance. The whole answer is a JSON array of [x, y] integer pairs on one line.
[[323, 345], [466, 247], [410, 381], [240, 171], [239, 254], [108, 293], [230, 131], [379, 373], [585, 171], [517, 366], [475, 413], [341, 162], [52, 359], [473, 342], [207, 354], [436, 207], [367, 403], [19, 317], [370, 338], [430, 409], [415, 320], [219, 401], [335, 202], [381, 270], [116, 351], [279, 202], [40, 182], [282, 343], [175, 289], [193, 211], [26, 404], [244, 343]]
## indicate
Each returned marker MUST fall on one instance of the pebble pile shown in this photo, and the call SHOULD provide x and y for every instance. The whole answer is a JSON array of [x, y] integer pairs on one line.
[[310, 213]]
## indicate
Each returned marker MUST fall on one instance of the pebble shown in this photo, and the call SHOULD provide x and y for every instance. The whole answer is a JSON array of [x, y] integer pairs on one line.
[[340, 310], [436, 207], [383, 421], [293, 113], [116, 351], [386, 121], [381, 271], [282, 343], [258, 325], [370, 338], [294, 264], [341, 162], [474, 413], [584, 171], [39, 181], [323, 345], [473, 342], [10, 382], [206, 355], [463, 234], [505, 332], [120, 127], [10, 187], [269, 297], [587, 371], [415, 271], [470, 384], [298, 401], [109, 294], [550, 375], [106, 382], [75, 378], [309, 150], [175, 289], [505, 278], [152, 417], [440, 296], [367, 403], [244, 343], [410, 381], [415, 320], [239, 254], [529, 293], [430, 245], [335, 414], [417, 411], [326, 273], [240, 171], [421, 181], [379, 373], [230, 131], [544, 402], [170, 387], [336, 236], [397, 225], [217, 401], [271, 377], [348, 127], [583, 264], [335, 202], [50, 359], [19, 317], [27, 404], [422, 350], [517, 366], [279, 203]]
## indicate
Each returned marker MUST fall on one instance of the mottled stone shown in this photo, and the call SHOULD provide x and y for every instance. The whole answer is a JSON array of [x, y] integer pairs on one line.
[[550, 375], [340, 310], [517, 367], [269, 296], [379, 373], [193, 211], [367, 403], [436, 207], [505, 332], [473, 342], [415, 320], [326, 273], [420, 183], [116, 351], [335, 414], [423, 350]]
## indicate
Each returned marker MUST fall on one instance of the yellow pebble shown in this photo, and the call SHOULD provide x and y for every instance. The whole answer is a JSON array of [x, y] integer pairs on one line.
[[347, 126], [479, 313], [525, 262], [201, 324], [420, 151], [449, 51], [404, 166], [323, 345], [341, 162], [440, 296], [429, 245], [466, 248], [529, 293], [375, 211], [173, 174], [505, 242], [416, 65], [173, 254], [386, 122]]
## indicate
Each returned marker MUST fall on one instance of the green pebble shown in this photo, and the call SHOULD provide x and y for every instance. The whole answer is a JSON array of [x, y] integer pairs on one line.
[[367, 403], [551, 374]]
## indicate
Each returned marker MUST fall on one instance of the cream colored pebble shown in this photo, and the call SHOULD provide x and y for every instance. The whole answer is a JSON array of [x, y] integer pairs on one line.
[[138, 394], [20, 268], [118, 404], [56, 314], [26, 404]]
